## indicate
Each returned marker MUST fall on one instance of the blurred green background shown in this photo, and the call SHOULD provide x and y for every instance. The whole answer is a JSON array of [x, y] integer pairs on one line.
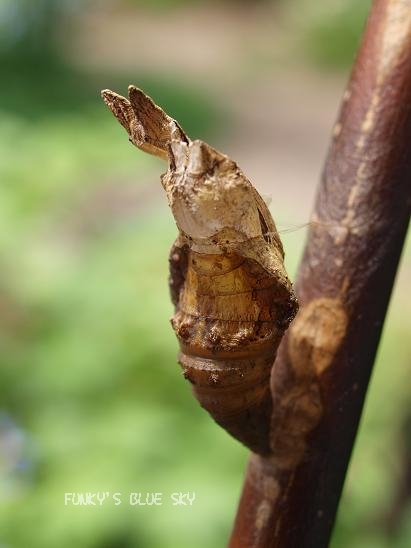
[[92, 399]]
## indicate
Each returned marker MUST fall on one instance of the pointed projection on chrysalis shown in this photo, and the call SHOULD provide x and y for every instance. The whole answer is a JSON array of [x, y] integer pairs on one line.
[[233, 299]]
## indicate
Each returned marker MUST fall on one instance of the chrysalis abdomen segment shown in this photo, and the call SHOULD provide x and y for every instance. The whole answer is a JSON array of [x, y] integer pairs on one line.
[[228, 324]]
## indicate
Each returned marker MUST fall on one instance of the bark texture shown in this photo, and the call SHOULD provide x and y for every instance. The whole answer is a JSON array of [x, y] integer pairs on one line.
[[320, 378]]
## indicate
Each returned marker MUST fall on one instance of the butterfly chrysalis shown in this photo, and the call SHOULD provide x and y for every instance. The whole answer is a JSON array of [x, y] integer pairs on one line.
[[232, 297]]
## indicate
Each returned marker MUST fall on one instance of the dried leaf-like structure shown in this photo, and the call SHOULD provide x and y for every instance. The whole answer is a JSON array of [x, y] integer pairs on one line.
[[233, 299]]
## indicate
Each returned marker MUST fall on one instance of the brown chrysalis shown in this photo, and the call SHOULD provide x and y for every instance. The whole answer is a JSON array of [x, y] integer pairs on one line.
[[233, 299]]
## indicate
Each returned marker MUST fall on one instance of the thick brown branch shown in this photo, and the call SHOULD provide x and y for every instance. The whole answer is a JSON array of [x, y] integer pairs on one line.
[[320, 378]]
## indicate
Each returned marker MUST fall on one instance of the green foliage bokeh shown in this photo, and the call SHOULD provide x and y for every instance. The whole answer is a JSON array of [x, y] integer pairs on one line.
[[91, 396]]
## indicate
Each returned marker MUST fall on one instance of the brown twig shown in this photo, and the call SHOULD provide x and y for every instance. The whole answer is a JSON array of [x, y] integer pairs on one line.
[[321, 375]]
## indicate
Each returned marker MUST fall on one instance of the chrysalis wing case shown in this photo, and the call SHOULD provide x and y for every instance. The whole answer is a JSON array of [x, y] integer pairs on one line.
[[233, 299]]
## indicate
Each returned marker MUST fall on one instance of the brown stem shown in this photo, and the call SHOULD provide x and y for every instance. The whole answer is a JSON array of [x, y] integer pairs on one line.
[[321, 375], [393, 519]]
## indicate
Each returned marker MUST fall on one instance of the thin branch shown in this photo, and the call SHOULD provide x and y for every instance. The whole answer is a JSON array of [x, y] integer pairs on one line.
[[320, 378]]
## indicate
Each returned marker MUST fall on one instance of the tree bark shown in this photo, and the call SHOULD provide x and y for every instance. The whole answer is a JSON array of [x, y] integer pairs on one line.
[[320, 378]]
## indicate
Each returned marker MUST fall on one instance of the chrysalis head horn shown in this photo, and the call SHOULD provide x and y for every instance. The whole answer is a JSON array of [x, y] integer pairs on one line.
[[147, 125]]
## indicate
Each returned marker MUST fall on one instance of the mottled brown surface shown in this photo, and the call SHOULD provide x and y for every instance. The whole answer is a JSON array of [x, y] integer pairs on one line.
[[233, 299], [230, 318], [320, 377]]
